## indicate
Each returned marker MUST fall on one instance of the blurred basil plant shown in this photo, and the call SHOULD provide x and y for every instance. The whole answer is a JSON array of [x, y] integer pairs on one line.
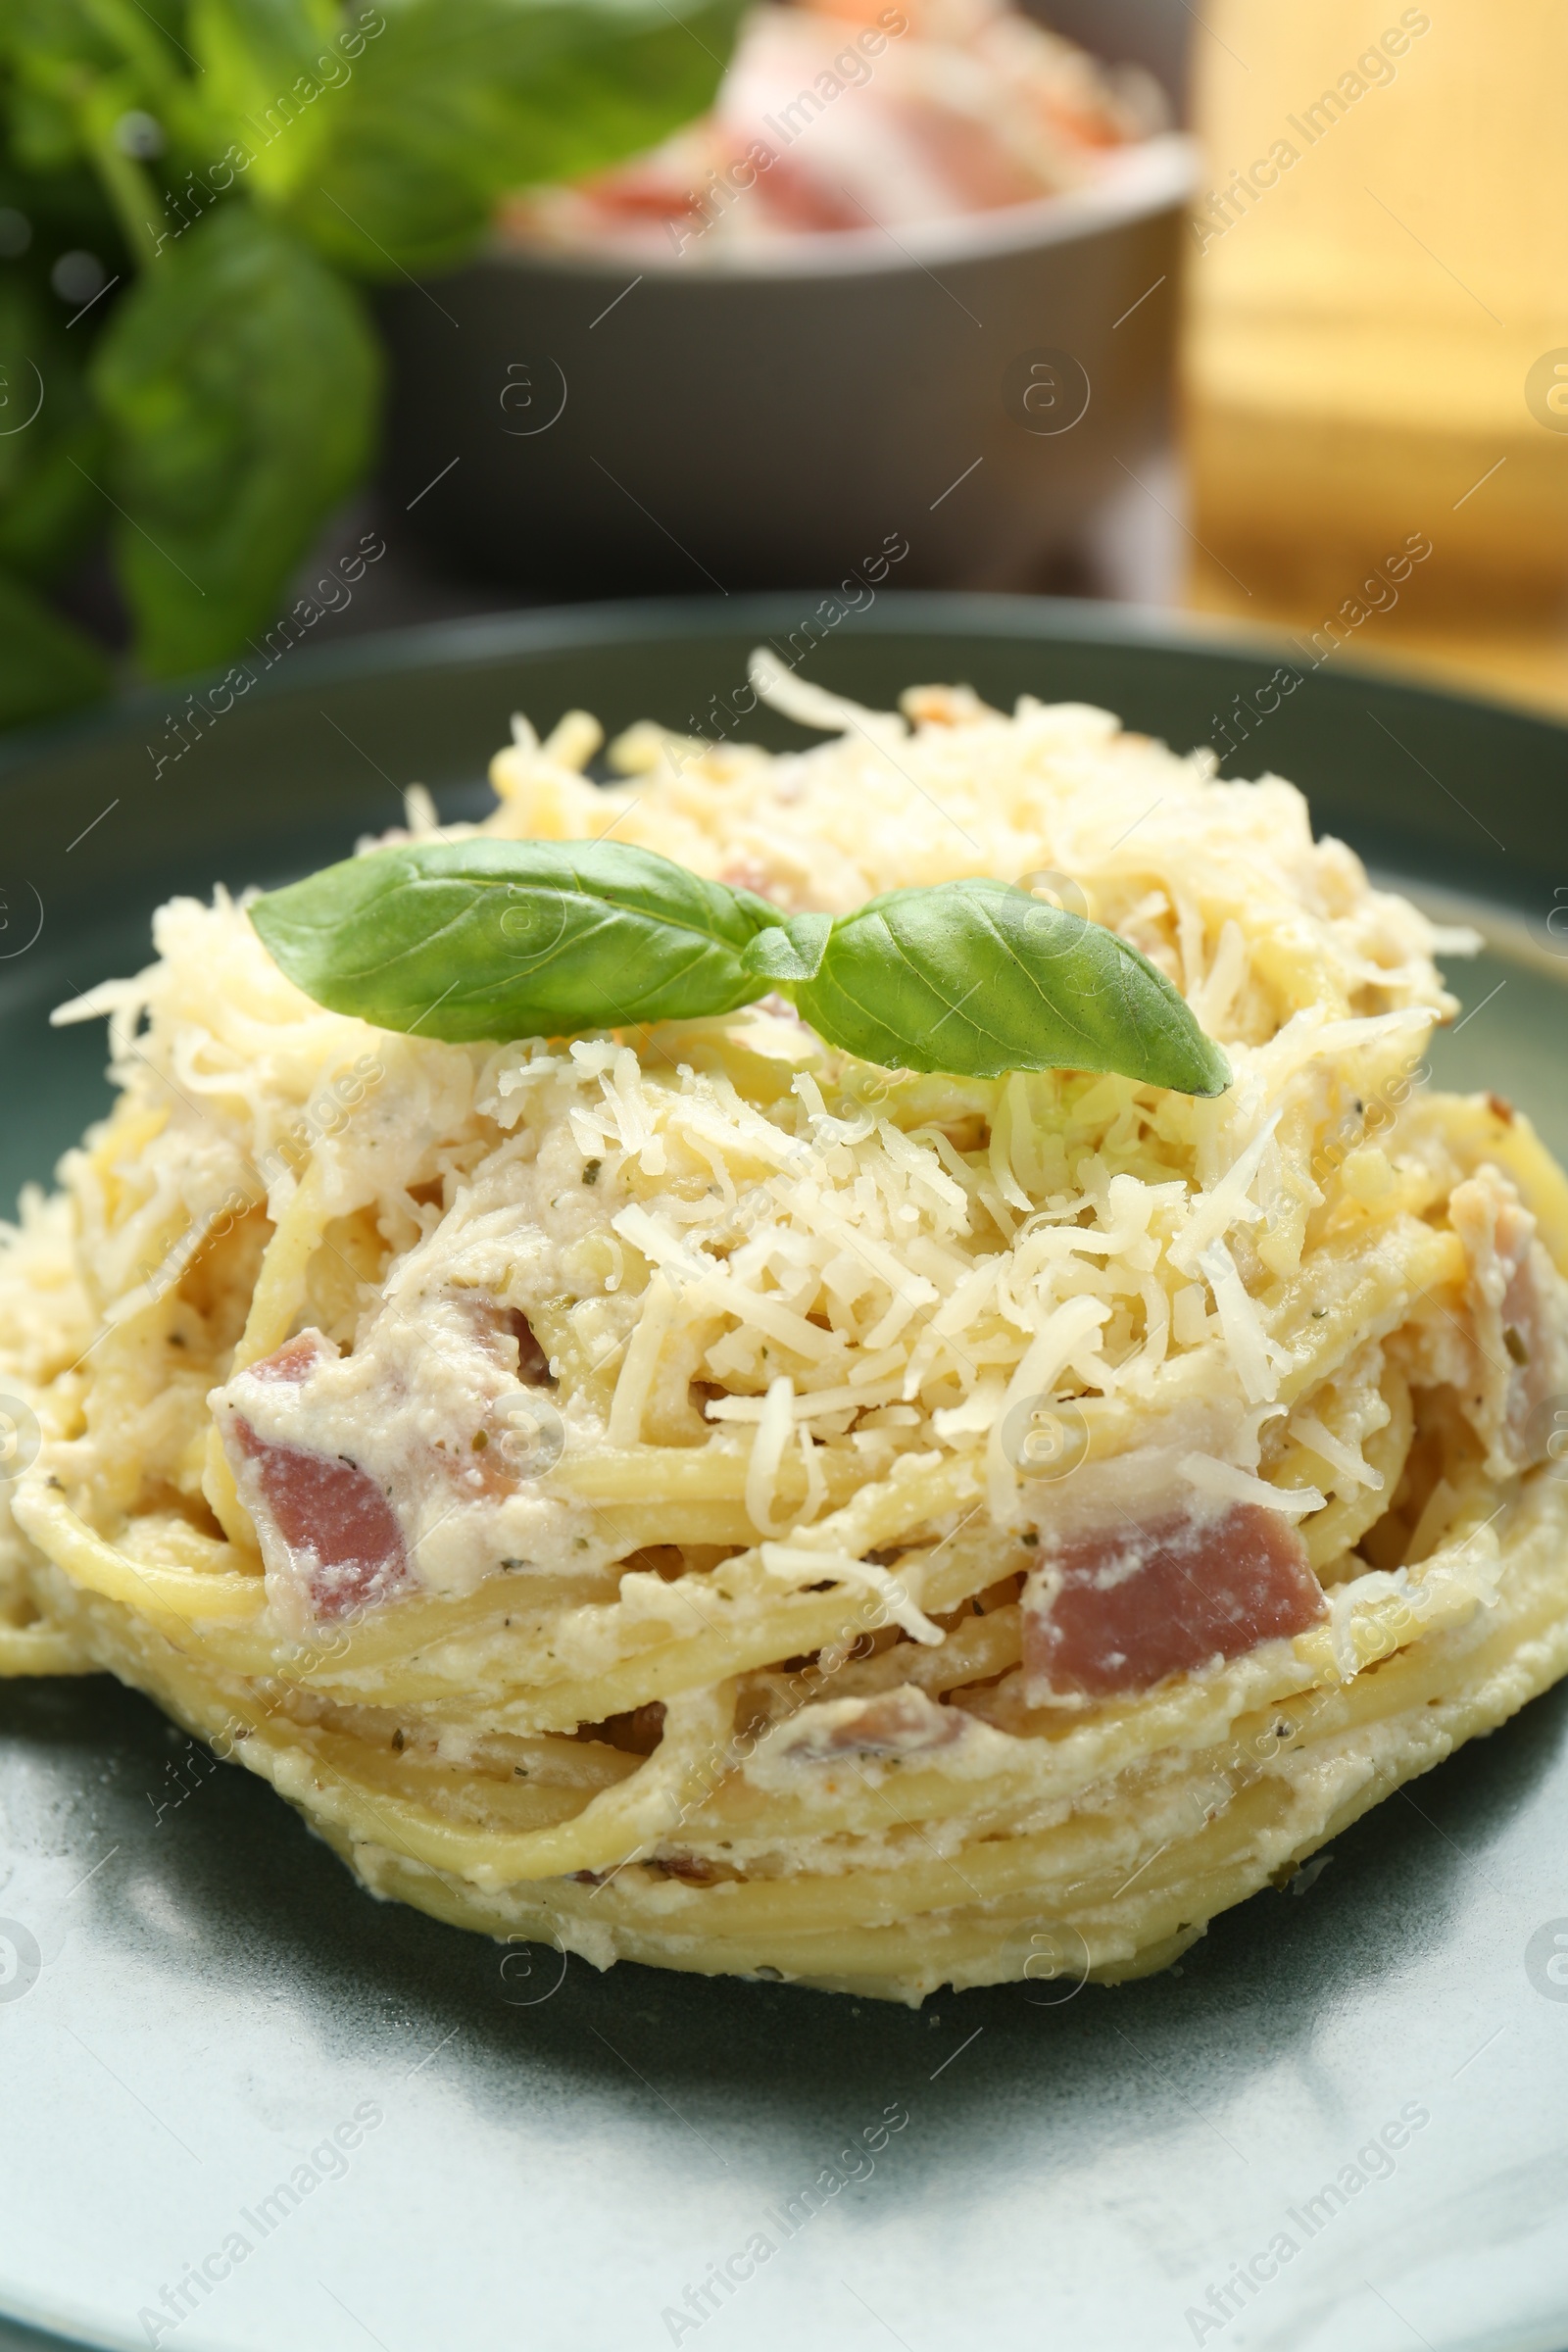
[[192, 195]]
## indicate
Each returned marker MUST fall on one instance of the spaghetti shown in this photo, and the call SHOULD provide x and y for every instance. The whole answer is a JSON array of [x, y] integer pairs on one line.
[[694, 1498]]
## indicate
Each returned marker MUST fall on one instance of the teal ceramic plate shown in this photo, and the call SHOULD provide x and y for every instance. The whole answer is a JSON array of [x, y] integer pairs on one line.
[[199, 2008]]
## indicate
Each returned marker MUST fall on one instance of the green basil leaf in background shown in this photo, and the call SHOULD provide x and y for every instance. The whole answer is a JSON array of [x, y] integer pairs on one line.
[[85, 73], [78, 66], [240, 380], [40, 129], [46, 667], [267, 66], [53, 48], [501, 939], [49, 438], [978, 978], [46, 35], [456, 102]]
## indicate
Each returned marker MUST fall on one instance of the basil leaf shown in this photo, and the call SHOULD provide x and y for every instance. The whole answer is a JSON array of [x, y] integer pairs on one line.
[[790, 950], [457, 102], [978, 978], [265, 66], [79, 68], [241, 381], [498, 939]]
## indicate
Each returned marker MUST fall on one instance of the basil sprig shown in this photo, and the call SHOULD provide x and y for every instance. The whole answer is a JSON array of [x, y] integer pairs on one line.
[[499, 939]]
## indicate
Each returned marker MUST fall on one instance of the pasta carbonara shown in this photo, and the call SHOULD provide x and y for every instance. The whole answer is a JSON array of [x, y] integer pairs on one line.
[[687, 1495]]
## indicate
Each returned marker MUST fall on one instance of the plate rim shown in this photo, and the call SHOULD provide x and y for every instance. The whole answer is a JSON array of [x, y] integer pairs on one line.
[[588, 627]]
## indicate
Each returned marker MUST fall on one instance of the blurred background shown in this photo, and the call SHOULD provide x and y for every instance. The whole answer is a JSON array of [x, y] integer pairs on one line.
[[318, 318]]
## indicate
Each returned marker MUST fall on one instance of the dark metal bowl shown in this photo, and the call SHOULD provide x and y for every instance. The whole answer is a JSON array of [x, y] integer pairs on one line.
[[944, 408]]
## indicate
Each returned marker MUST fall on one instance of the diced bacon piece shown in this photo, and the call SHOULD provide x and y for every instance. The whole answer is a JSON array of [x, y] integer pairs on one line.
[[895, 1722], [795, 197], [964, 156], [294, 1361], [332, 1518], [1518, 1306], [1119, 1609], [645, 190]]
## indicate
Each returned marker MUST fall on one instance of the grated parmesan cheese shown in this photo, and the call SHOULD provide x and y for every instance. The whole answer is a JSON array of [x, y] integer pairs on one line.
[[821, 1246]]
